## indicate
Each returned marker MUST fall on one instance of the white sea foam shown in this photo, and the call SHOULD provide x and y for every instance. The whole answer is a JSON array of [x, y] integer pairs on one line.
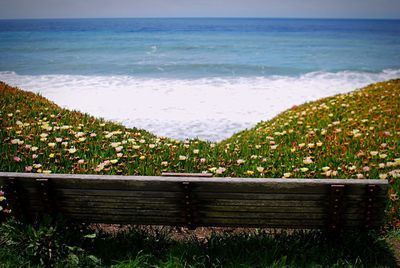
[[211, 109]]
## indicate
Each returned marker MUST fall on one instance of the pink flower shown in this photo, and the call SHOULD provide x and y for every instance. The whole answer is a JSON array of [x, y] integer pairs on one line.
[[366, 168], [28, 169], [28, 147], [34, 156], [17, 159], [1, 193]]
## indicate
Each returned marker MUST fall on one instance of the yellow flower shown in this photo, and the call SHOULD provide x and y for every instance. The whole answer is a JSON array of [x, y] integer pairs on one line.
[[114, 161], [46, 171], [304, 169], [319, 144], [164, 163], [34, 148], [325, 169], [182, 158], [260, 169], [72, 150], [287, 175], [142, 157], [301, 145], [249, 172], [383, 176], [382, 156], [51, 155], [196, 151]]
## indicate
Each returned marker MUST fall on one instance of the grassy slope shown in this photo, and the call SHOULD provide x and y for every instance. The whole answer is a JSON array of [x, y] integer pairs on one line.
[[353, 135]]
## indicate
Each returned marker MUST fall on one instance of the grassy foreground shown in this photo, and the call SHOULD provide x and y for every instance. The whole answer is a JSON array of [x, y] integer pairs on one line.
[[355, 135]]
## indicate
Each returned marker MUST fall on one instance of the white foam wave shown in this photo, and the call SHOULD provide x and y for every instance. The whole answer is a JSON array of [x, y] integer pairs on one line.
[[211, 109]]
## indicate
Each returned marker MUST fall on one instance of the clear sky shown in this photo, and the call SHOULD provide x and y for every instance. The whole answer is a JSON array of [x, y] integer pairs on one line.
[[199, 8]]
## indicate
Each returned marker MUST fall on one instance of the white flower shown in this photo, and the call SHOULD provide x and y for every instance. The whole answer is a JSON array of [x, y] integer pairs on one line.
[[307, 160], [51, 144], [220, 170], [240, 161], [182, 158], [373, 153], [72, 150]]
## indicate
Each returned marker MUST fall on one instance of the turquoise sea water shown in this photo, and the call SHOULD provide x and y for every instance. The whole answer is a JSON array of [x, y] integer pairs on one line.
[[188, 78], [193, 48]]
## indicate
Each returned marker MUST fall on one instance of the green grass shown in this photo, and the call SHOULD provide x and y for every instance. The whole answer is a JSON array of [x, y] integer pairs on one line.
[[72, 246], [355, 135]]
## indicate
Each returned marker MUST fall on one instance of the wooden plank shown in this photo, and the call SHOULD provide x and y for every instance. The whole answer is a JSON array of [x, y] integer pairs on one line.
[[275, 196], [127, 219], [276, 215], [274, 209], [282, 223], [122, 212], [187, 175], [119, 193], [266, 188], [282, 202], [78, 178]]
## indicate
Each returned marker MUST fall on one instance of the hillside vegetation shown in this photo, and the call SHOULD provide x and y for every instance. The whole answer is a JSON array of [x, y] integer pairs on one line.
[[355, 135]]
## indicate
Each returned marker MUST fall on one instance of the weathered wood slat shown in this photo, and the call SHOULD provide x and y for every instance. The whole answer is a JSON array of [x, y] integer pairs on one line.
[[282, 202], [271, 188], [280, 183], [248, 202], [273, 215]]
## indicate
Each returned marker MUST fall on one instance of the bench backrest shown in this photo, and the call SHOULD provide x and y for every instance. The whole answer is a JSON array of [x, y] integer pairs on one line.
[[192, 202]]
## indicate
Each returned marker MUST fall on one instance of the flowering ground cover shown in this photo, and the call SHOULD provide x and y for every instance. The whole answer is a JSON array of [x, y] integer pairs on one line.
[[355, 135]]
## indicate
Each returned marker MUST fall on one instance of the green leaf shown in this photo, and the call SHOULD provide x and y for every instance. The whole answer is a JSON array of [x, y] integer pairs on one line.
[[91, 236]]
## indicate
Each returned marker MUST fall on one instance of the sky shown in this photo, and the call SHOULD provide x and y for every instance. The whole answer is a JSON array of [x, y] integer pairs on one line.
[[16, 9]]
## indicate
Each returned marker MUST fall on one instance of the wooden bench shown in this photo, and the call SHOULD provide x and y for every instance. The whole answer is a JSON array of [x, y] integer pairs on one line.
[[199, 201]]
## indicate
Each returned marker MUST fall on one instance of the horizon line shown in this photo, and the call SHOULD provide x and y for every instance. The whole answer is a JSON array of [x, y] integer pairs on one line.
[[204, 17]]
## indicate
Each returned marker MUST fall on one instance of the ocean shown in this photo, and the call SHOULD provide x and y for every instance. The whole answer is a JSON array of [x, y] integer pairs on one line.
[[201, 78]]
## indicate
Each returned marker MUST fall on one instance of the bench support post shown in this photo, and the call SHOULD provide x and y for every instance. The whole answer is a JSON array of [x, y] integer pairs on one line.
[[371, 191], [46, 195], [188, 205], [336, 207]]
